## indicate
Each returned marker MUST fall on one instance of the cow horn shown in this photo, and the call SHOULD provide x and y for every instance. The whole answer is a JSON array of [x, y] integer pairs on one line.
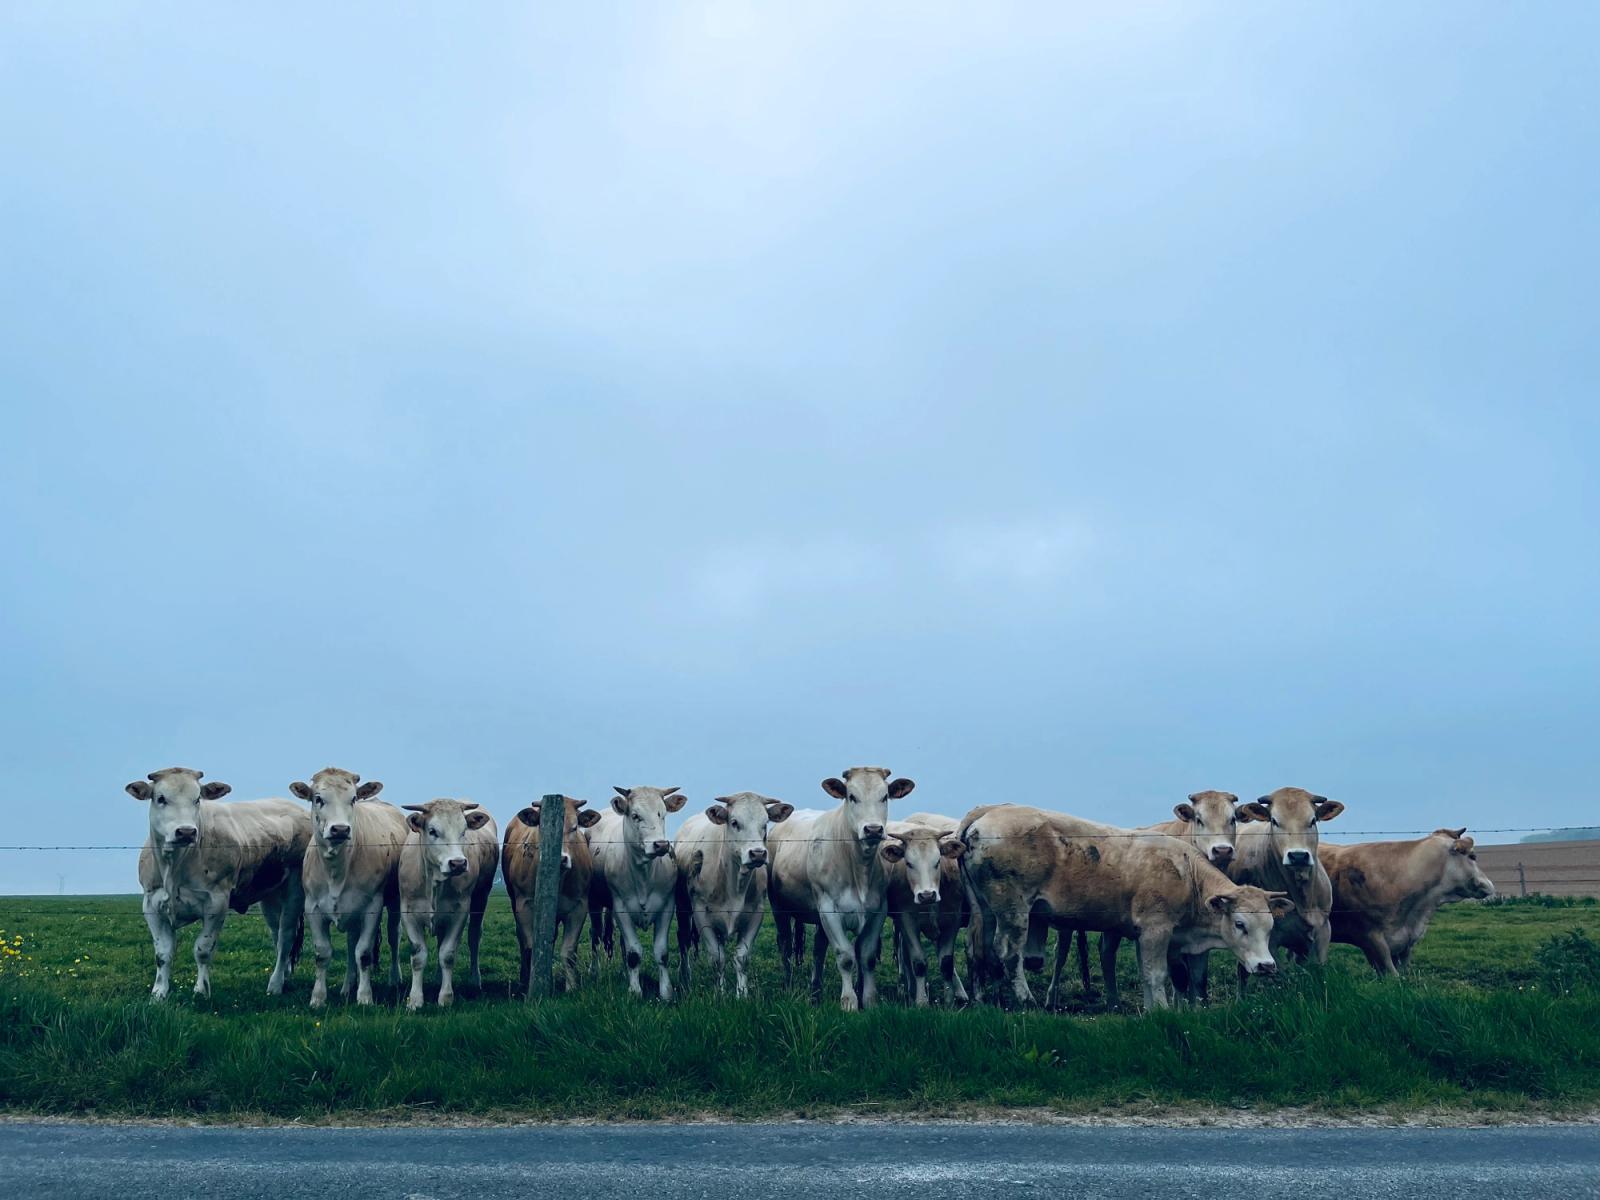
[[1267, 800], [466, 804], [415, 807], [577, 803], [621, 791], [668, 791]]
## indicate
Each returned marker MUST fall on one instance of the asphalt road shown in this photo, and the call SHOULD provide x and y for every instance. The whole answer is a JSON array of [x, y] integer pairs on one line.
[[817, 1162]]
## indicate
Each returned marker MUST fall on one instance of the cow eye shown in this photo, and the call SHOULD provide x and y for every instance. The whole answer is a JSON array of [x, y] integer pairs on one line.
[[161, 799], [1239, 925], [1274, 821], [734, 824], [1473, 856], [432, 832], [317, 800]]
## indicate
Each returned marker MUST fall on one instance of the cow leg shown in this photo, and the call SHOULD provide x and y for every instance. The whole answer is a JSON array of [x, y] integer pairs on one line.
[[1153, 968], [448, 945], [783, 926], [955, 993], [1052, 995], [352, 942], [1373, 945], [819, 955], [870, 944], [1109, 945], [1321, 939], [474, 936], [393, 906], [164, 940], [1083, 964], [571, 930], [290, 927], [913, 958], [370, 920], [844, 954], [662, 931], [206, 944], [1010, 943], [417, 935], [322, 948], [632, 952], [745, 935]]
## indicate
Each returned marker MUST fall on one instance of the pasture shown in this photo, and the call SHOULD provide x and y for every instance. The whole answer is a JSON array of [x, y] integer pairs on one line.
[[1476, 1026]]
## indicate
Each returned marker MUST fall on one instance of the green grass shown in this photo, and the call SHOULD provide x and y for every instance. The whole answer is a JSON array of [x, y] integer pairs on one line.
[[1472, 1028]]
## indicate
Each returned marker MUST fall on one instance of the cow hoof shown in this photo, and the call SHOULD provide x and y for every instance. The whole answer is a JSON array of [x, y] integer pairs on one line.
[[848, 1003], [413, 1003]]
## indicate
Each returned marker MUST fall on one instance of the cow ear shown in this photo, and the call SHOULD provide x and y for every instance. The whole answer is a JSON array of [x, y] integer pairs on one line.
[[140, 790], [369, 789], [1255, 811], [416, 820], [675, 801], [529, 815], [214, 791], [777, 811], [1327, 809], [619, 806], [300, 791], [717, 814], [1223, 902], [952, 847], [587, 818], [893, 850], [1462, 845], [1279, 904], [901, 788], [835, 788], [1184, 812], [477, 819]]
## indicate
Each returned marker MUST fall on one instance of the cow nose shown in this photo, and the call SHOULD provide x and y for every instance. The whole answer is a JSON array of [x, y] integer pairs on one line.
[[1266, 968], [1298, 858], [457, 865], [660, 848], [566, 862], [338, 833], [1222, 855], [872, 831], [185, 833], [927, 897], [758, 856]]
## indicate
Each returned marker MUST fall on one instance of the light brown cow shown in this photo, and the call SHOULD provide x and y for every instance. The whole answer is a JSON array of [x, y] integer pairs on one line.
[[351, 873], [447, 870], [519, 862], [1385, 893], [202, 858], [926, 900], [1277, 850], [722, 881], [1083, 875], [830, 871]]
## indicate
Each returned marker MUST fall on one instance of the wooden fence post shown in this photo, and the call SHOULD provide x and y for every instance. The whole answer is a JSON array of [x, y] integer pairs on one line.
[[546, 892], [1522, 879]]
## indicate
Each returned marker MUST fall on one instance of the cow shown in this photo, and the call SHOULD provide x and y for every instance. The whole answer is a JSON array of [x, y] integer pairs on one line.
[[1209, 821], [722, 881], [519, 862], [1083, 875], [447, 868], [634, 856], [1277, 849], [202, 858], [1385, 893], [831, 871], [351, 874], [926, 900]]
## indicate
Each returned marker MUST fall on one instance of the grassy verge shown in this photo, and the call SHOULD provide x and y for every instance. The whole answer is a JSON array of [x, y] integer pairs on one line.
[[1472, 1029]]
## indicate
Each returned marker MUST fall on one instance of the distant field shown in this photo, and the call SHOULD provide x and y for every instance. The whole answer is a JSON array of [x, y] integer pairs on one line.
[[1472, 1028]]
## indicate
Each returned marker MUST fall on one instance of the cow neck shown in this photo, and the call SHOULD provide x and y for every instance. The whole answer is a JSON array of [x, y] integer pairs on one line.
[[168, 858], [336, 856]]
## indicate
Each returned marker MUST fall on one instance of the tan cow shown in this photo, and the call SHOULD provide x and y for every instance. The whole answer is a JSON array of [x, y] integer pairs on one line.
[[520, 864], [1277, 850], [202, 858], [1083, 875], [722, 880], [1385, 893], [447, 870], [351, 874], [926, 900]]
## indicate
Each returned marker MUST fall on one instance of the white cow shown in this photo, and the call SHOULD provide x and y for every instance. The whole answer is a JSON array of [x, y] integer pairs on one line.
[[830, 871], [722, 880], [447, 868], [202, 858], [634, 858], [351, 875]]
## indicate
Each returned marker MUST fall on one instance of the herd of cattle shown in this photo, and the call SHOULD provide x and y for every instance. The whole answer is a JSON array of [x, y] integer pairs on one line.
[[1247, 878]]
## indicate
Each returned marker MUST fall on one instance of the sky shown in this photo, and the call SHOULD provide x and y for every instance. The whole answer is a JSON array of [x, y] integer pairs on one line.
[[1070, 405]]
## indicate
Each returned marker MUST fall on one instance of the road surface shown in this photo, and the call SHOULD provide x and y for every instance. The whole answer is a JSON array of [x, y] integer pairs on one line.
[[776, 1162]]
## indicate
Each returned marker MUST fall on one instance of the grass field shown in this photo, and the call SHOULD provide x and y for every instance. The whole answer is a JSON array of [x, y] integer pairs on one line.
[[1476, 1026]]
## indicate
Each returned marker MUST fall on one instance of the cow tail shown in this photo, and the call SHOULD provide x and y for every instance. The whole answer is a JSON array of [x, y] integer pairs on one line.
[[980, 949], [299, 937]]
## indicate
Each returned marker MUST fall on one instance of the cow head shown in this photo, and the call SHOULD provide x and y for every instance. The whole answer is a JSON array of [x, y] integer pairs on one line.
[[746, 815], [333, 794], [1246, 915], [922, 852], [1292, 815], [644, 818], [578, 819], [441, 827], [1462, 878], [866, 792], [174, 795], [1212, 819]]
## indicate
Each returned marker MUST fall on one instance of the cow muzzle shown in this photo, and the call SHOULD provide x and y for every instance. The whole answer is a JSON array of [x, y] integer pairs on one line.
[[1297, 860], [927, 897], [1264, 967], [185, 835], [872, 833], [660, 849], [756, 857], [338, 833], [566, 862], [456, 866], [1221, 856]]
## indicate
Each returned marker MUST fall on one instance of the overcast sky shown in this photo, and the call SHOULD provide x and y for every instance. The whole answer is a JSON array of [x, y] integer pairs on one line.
[[1077, 405]]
